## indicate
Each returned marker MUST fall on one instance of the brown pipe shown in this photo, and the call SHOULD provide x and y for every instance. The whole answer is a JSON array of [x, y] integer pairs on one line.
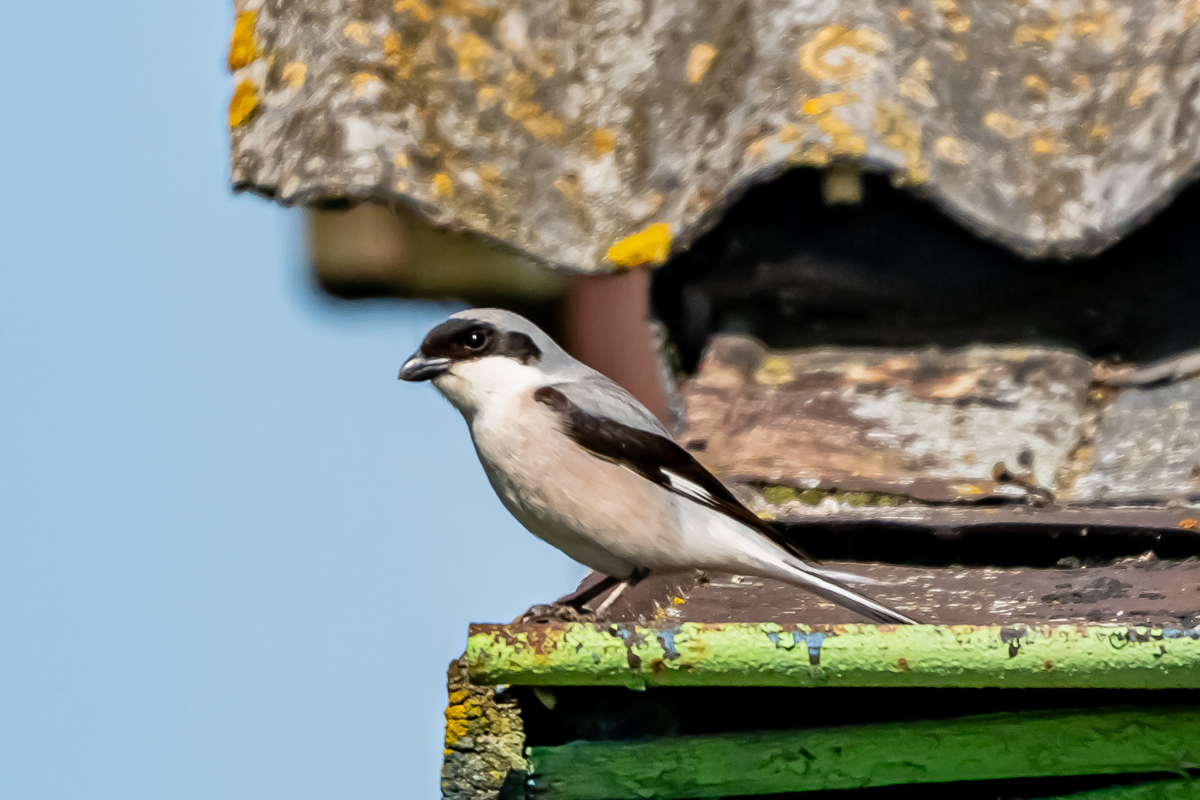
[[606, 325]]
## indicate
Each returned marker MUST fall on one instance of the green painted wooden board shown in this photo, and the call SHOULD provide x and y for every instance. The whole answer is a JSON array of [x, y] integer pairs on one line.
[[746, 654], [995, 746], [1158, 790]]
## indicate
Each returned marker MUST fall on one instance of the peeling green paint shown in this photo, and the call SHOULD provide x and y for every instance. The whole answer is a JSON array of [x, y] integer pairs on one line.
[[767, 654], [995, 746]]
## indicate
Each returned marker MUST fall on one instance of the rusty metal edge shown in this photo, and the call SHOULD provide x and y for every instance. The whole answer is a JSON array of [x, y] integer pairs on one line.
[[768, 654]]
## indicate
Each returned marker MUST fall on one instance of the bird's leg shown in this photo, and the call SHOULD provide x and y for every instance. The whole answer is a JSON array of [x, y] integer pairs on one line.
[[581, 597], [632, 580], [571, 607]]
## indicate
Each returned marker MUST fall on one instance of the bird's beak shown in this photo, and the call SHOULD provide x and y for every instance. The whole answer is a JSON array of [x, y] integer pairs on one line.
[[419, 368]]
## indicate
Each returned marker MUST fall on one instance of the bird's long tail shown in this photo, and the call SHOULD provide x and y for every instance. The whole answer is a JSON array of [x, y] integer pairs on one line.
[[799, 574], [845, 577], [724, 541]]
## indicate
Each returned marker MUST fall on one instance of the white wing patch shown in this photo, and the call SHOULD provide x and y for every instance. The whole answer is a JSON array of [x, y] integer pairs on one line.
[[689, 488]]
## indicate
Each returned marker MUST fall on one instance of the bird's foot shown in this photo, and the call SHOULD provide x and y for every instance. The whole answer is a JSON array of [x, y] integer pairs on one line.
[[556, 612]]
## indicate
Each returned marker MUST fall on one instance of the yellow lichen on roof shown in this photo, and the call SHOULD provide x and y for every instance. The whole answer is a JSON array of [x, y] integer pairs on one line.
[[242, 47], [813, 154], [543, 126], [470, 52], [396, 57], [358, 32], [243, 104], [841, 54], [1036, 84], [647, 247], [916, 91], [1046, 142], [601, 141], [418, 10], [1106, 28], [823, 103], [294, 74], [915, 85], [1005, 125], [1149, 82], [955, 20], [902, 134], [568, 186], [366, 86], [442, 185], [699, 60], [1031, 34], [947, 148], [774, 371], [518, 91], [1043, 145], [844, 139]]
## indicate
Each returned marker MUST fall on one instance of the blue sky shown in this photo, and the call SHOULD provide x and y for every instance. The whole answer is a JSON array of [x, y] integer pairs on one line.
[[236, 554]]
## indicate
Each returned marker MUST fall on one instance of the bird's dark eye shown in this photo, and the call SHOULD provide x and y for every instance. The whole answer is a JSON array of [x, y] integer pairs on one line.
[[476, 340]]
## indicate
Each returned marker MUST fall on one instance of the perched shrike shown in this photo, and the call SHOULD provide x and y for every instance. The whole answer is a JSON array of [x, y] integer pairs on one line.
[[585, 467]]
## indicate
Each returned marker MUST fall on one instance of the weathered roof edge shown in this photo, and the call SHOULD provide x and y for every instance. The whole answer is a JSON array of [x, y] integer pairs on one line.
[[595, 139], [768, 654]]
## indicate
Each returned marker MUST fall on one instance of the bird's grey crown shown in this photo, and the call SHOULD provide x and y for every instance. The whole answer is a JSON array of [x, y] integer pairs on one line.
[[553, 360]]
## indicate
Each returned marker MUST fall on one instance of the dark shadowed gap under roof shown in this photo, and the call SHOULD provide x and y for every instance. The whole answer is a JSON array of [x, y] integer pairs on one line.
[[894, 270]]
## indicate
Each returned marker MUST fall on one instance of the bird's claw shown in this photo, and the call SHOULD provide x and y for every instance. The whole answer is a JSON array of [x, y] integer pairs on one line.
[[554, 612]]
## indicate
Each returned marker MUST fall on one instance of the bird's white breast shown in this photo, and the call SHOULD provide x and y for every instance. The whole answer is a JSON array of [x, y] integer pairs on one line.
[[597, 512], [601, 514]]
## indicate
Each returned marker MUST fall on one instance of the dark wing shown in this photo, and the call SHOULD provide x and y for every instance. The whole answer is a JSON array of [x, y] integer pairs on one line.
[[657, 459]]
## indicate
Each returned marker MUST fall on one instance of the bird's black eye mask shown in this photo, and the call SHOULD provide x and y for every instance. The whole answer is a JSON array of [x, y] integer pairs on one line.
[[465, 340]]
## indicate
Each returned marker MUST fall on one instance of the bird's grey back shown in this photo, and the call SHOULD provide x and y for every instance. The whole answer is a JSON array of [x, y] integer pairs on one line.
[[599, 396]]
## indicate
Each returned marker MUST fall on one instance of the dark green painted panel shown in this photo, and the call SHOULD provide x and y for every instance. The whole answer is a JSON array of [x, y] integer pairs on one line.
[[996, 746], [1158, 790]]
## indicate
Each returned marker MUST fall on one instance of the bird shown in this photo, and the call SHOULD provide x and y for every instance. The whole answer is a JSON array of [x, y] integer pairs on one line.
[[588, 469]]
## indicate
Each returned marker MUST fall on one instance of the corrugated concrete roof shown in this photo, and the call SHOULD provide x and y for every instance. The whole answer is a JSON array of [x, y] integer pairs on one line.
[[596, 135]]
